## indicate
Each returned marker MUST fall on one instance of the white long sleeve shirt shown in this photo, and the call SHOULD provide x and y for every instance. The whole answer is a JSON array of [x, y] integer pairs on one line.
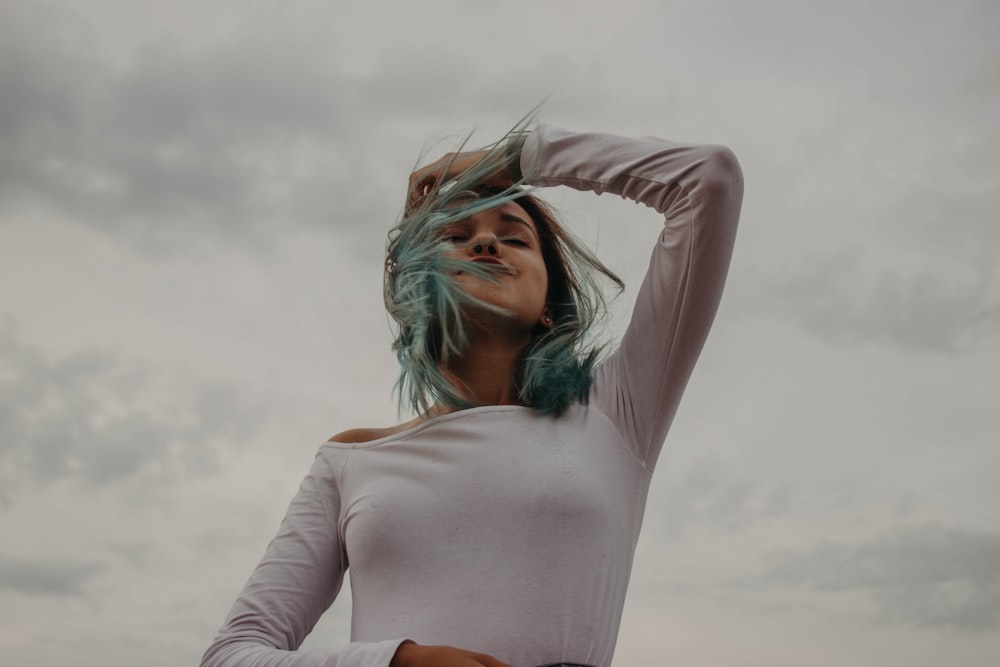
[[496, 529]]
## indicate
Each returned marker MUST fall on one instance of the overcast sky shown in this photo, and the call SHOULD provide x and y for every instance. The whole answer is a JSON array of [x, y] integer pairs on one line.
[[193, 204]]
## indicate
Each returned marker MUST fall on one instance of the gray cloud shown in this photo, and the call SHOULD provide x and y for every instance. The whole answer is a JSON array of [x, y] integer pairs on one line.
[[236, 143], [925, 277], [884, 194], [45, 577], [929, 575], [84, 417], [166, 146], [955, 221], [889, 51], [839, 297], [713, 493]]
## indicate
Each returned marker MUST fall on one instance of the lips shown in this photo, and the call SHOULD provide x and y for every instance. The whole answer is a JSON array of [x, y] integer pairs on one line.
[[488, 260]]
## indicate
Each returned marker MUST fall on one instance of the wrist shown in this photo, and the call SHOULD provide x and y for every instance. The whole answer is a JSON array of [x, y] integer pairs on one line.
[[399, 657], [515, 143]]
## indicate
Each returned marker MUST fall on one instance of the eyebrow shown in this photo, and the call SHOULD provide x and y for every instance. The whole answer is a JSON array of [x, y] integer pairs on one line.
[[510, 217]]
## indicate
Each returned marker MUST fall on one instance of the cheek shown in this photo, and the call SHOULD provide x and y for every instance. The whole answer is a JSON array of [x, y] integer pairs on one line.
[[543, 283]]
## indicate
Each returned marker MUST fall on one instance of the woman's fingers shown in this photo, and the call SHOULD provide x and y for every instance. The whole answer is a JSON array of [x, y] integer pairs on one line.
[[448, 167], [488, 660], [420, 187], [445, 167], [417, 655]]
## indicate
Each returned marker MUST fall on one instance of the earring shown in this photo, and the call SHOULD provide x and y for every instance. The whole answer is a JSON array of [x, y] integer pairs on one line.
[[547, 318]]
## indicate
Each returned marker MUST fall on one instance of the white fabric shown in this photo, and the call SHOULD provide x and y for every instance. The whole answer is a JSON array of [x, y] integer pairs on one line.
[[496, 529]]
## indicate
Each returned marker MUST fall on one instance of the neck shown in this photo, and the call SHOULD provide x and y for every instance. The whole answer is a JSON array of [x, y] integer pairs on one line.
[[485, 373]]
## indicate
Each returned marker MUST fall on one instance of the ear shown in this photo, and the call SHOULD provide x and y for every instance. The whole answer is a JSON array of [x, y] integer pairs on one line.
[[546, 318]]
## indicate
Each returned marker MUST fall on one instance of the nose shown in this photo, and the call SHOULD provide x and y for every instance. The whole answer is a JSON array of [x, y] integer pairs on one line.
[[486, 244]]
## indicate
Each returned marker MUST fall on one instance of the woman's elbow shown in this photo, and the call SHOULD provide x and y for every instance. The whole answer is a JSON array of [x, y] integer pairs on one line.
[[722, 169]]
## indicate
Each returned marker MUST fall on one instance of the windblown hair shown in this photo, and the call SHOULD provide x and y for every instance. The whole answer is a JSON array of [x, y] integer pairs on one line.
[[430, 306]]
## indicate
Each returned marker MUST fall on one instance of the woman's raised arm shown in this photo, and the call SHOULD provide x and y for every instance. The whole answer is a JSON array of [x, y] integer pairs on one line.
[[699, 190]]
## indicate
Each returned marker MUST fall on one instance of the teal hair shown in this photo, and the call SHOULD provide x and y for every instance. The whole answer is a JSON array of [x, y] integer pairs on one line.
[[428, 305]]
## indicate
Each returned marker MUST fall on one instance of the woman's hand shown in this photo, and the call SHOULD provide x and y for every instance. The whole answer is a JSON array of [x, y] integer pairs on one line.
[[417, 655], [451, 166]]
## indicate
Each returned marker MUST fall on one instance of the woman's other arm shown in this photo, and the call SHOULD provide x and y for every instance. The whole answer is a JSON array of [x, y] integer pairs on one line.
[[295, 582]]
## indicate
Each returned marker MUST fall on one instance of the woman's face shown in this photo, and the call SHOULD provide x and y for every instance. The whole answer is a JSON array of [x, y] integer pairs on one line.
[[507, 236]]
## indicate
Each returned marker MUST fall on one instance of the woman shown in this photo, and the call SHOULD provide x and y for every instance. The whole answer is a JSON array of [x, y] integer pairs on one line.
[[497, 529]]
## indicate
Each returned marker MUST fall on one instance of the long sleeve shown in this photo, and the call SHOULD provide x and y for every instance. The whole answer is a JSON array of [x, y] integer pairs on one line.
[[699, 190], [295, 582]]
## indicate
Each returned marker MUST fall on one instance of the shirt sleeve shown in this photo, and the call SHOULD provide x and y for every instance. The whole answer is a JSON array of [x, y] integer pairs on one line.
[[297, 580], [699, 190]]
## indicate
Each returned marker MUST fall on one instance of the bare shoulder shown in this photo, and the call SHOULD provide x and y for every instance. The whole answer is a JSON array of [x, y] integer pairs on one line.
[[360, 435], [356, 435]]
